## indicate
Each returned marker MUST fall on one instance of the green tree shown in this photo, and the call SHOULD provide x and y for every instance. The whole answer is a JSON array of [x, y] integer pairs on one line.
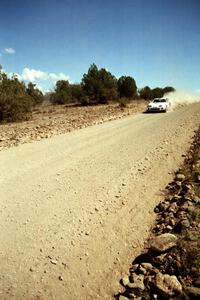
[[15, 103], [76, 92], [62, 92], [145, 93], [35, 94], [127, 87], [157, 93], [149, 94], [168, 89], [99, 85]]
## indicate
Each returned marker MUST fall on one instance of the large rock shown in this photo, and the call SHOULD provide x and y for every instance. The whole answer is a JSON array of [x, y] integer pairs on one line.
[[168, 286], [180, 177], [184, 224], [121, 297], [138, 283], [193, 292], [197, 282], [125, 280], [163, 242], [196, 199]]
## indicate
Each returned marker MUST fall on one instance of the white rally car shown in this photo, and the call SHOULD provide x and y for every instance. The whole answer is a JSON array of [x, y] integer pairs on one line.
[[159, 104]]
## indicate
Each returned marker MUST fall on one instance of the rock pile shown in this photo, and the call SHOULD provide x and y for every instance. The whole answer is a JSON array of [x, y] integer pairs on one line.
[[169, 268]]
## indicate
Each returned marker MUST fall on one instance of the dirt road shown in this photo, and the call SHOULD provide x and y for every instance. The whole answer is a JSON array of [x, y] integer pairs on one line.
[[74, 209]]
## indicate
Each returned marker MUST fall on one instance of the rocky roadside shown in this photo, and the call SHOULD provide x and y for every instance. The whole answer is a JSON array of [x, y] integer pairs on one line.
[[50, 120], [169, 267]]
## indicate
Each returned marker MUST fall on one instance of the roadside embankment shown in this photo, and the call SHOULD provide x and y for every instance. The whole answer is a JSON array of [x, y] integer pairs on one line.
[[51, 120], [169, 266]]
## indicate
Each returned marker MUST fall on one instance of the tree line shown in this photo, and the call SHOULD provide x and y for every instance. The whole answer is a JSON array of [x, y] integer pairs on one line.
[[98, 86]]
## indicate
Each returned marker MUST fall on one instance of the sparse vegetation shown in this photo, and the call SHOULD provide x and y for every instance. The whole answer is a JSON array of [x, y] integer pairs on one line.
[[15, 102], [62, 92], [98, 86], [35, 94], [123, 102]]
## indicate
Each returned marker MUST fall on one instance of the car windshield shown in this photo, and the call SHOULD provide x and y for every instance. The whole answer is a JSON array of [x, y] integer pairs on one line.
[[159, 100]]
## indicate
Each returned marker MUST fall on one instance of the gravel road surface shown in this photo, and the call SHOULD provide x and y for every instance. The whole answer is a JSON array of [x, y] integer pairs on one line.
[[75, 208]]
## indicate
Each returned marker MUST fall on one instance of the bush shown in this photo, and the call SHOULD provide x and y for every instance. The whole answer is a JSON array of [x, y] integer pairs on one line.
[[62, 93], [84, 100], [15, 103], [66, 93], [123, 102], [35, 94]]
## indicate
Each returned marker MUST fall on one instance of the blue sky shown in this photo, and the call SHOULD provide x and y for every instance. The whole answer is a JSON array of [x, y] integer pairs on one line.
[[155, 41]]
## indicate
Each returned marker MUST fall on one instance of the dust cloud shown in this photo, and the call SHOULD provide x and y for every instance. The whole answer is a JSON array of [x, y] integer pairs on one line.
[[179, 98]]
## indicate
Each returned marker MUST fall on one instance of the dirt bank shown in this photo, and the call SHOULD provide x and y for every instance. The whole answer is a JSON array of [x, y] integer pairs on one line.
[[169, 265], [50, 120]]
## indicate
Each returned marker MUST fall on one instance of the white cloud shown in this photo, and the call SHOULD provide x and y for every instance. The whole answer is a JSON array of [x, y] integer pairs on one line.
[[38, 75], [33, 75], [59, 76], [43, 80], [9, 50]]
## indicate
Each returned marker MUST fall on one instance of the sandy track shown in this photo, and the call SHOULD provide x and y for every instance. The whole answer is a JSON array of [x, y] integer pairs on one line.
[[74, 209]]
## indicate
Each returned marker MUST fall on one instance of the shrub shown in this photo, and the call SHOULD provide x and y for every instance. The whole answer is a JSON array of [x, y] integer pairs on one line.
[[35, 94], [84, 100], [62, 93], [123, 102], [15, 103]]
